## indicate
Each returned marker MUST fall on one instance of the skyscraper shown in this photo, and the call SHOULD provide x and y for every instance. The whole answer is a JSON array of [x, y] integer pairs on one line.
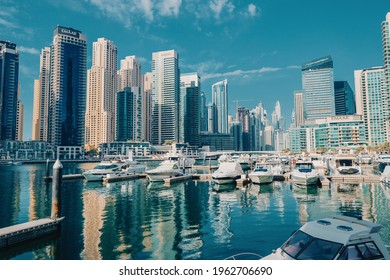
[[298, 108], [165, 96], [19, 118], [369, 103], [386, 64], [101, 90], [243, 118], [40, 126], [344, 98], [9, 78], [220, 102], [203, 112], [67, 87], [318, 88], [189, 115], [147, 106]]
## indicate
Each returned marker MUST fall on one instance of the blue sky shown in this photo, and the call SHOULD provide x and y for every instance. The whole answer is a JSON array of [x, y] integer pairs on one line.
[[258, 45]]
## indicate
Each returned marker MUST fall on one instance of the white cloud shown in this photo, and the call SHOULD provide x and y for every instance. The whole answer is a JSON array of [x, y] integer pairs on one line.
[[217, 6], [169, 7], [240, 73], [146, 6], [32, 51], [252, 10]]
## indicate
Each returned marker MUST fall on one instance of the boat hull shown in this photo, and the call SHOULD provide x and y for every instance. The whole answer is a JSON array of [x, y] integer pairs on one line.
[[159, 177], [304, 180], [261, 178], [225, 180]]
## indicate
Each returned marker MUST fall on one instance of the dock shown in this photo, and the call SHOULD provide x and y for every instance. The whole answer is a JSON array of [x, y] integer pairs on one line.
[[169, 181], [66, 177], [371, 178], [16, 234], [120, 177]]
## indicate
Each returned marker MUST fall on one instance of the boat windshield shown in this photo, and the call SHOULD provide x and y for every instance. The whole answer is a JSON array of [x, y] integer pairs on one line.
[[261, 169], [106, 167], [302, 246], [304, 166], [345, 162]]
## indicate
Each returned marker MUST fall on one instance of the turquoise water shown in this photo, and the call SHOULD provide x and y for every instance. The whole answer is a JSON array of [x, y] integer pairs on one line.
[[138, 220]]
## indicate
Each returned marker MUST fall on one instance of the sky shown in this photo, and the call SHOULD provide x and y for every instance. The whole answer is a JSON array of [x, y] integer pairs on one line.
[[258, 45]]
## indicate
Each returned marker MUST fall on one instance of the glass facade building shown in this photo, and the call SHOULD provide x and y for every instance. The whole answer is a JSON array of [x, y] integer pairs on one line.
[[370, 103], [67, 87], [344, 99], [9, 79], [386, 64], [219, 93], [318, 88]]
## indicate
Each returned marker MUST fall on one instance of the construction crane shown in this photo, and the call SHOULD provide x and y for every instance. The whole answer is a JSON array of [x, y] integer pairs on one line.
[[241, 100]]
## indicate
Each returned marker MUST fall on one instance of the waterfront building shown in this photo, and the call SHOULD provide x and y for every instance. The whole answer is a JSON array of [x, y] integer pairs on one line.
[[318, 88], [67, 87], [386, 65], [128, 114], [370, 102], [331, 132], [40, 123], [101, 90], [26, 150], [235, 129], [210, 117], [165, 96], [220, 102], [255, 125], [344, 99], [19, 118], [138, 148], [217, 141], [243, 118], [147, 106], [269, 138], [189, 114], [9, 78], [298, 108], [203, 112]]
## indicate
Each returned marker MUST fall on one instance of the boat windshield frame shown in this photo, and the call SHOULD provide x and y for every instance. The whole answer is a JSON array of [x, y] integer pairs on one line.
[[302, 246]]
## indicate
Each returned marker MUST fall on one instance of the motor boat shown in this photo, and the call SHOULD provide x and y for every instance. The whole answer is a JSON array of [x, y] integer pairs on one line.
[[245, 161], [305, 174], [167, 169], [109, 165], [344, 165], [385, 177], [227, 173], [365, 159], [380, 162], [133, 168], [261, 174], [336, 238]]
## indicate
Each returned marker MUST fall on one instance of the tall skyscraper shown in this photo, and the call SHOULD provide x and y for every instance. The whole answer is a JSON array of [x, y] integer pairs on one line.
[[386, 64], [9, 78], [344, 99], [220, 102], [189, 114], [130, 72], [101, 91], [68, 75], [243, 118], [19, 118], [369, 103], [40, 126], [165, 96], [298, 108], [318, 88], [128, 114], [147, 106], [203, 112]]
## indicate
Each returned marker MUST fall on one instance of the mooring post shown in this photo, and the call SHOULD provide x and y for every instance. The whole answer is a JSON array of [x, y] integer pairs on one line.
[[56, 190], [47, 169]]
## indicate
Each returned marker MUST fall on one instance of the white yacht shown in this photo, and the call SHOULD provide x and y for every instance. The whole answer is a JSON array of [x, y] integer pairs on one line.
[[337, 238], [227, 173], [261, 174], [133, 168], [109, 165], [380, 162], [344, 165], [167, 169], [385, 177], [305, 174]]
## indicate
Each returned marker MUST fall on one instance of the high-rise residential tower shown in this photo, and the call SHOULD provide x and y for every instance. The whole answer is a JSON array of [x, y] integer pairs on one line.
[[40, 126], [203, 112], [219, 93], [344, 99], [243, 118], [386, 64], [318, 88], [101, 90], [147, 106], [189, 112], [298, 108], [19, 118], [369, 103], [9, 77], [165, 97], [68, 75]]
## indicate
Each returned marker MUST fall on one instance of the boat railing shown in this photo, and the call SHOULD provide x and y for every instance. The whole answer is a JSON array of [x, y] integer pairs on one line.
[[245, 256]]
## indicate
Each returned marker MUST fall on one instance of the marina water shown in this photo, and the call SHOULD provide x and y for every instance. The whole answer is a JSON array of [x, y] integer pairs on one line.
[[189, 220]]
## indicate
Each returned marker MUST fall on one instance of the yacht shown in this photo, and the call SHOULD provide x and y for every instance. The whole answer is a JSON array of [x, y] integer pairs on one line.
[[245, 161], [167, 169], [133, 168], [109, 165], [385, 177], [305, 174], [344, 165], [261, 174], [336, 238], [227, 173], [380, 162]]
